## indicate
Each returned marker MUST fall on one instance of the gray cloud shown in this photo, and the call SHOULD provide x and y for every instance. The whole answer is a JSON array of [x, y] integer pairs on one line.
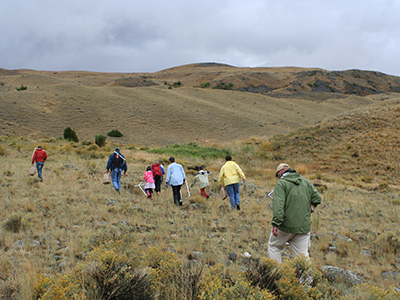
[[147, 36]]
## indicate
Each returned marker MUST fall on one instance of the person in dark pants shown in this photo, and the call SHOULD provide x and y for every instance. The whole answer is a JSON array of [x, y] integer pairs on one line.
[[158, 173], [175, 178]]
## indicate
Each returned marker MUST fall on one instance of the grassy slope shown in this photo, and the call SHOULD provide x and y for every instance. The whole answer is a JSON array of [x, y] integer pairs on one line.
[[72, 209], [95, 103]]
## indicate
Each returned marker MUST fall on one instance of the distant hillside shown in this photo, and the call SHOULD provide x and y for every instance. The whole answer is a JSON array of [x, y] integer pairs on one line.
[[204, 103]]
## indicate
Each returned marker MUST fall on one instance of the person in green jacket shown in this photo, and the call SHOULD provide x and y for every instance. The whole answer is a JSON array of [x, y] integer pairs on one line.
[[293, 202], [229, 176]]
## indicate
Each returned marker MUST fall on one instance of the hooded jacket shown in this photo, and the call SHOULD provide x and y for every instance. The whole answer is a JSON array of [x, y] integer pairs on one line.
[[39, 155], [202, 178], [293, 196]]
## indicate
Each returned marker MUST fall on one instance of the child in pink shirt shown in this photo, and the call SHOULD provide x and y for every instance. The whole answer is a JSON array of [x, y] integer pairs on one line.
[[148, 177]]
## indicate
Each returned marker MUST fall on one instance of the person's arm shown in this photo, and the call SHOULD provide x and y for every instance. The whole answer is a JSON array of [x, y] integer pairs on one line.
[[195, 180], [109, 162], [34, 157], [183, 174], [278, 204], [315, 196], [241, 174], [221, 176], [45, 155], [125, 167], [168, 178]]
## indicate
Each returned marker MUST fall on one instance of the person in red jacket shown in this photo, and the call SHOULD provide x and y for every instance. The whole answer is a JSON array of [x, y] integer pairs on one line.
[[39, 156]]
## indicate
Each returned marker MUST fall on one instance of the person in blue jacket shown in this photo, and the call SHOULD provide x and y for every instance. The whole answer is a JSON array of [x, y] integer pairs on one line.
[[117, 164], [176, 178]]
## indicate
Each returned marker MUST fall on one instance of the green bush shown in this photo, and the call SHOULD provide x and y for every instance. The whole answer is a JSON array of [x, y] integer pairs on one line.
[[223, 86], [70, 135], [100, 140], [191, 150], [176, 84], [22, 88], [205, 84], [114, 133]]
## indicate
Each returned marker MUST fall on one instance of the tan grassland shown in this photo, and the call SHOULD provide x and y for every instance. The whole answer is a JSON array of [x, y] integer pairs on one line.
[[347, 144], [148, 110]]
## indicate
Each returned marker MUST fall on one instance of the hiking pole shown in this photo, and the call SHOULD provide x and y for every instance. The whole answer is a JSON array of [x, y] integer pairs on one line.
[[271, 194]]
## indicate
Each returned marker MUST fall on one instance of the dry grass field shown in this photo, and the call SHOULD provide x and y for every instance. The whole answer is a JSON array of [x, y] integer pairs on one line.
[[152, 109], [71, 237]]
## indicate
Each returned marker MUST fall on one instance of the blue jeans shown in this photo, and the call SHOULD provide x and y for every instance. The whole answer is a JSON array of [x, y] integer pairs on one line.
[[39, 167], [116, 178], [233, 193]]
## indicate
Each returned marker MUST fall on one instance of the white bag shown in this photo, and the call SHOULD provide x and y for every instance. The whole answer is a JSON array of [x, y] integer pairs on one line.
[[107, 178], [32, 170]]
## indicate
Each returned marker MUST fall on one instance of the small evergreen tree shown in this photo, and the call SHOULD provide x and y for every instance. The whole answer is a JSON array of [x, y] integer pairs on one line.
[[70, 135]]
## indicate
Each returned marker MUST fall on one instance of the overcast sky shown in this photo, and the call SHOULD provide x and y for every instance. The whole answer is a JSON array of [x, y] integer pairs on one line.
[[152, 35]]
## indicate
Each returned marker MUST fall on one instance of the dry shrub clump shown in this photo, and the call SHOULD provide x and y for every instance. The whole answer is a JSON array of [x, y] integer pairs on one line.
[[14, 223]]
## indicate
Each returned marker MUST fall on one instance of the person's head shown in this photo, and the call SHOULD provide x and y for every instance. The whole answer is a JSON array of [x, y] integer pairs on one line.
[[282, 168], [39, 147], [148, 168], [201, 168], [172, 159], [228, 158], [117, 149]]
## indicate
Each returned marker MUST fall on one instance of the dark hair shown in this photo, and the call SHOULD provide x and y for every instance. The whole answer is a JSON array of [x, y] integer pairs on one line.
[[39, 147], [148, 168], [172, 159], [201, 168], [228, 157]]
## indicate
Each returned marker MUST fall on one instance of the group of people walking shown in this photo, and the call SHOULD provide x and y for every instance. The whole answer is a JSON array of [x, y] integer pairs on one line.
[[294, 197]]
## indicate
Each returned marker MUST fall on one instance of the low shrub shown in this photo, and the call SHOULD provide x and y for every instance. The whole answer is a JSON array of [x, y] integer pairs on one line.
[[115, 133], [2, 150], [110, 275], [177, 84], [14, 223], [223, 86], [70, 135], [100, 140], [205, 84], [22, 88]]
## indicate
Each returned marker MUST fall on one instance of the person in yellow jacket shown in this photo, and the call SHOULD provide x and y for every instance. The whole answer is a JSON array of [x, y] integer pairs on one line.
[[229, 176]]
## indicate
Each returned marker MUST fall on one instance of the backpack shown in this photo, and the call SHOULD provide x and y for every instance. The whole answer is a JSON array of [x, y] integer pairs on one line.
[[118, 160], [156, 169]]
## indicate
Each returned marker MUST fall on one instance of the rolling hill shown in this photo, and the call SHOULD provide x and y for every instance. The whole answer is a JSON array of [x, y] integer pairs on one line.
[[202, 103]]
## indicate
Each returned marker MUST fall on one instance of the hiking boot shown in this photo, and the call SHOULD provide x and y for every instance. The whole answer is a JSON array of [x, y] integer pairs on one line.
[[117, 190], [180, 203], [238, 207]]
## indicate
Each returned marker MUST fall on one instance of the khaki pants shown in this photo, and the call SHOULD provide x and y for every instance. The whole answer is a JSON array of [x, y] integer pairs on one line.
[[298, 242]]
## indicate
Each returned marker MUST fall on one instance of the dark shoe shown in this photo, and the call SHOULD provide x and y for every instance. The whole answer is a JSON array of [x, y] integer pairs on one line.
[[117, 190], [238, 207], [180, 203]]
